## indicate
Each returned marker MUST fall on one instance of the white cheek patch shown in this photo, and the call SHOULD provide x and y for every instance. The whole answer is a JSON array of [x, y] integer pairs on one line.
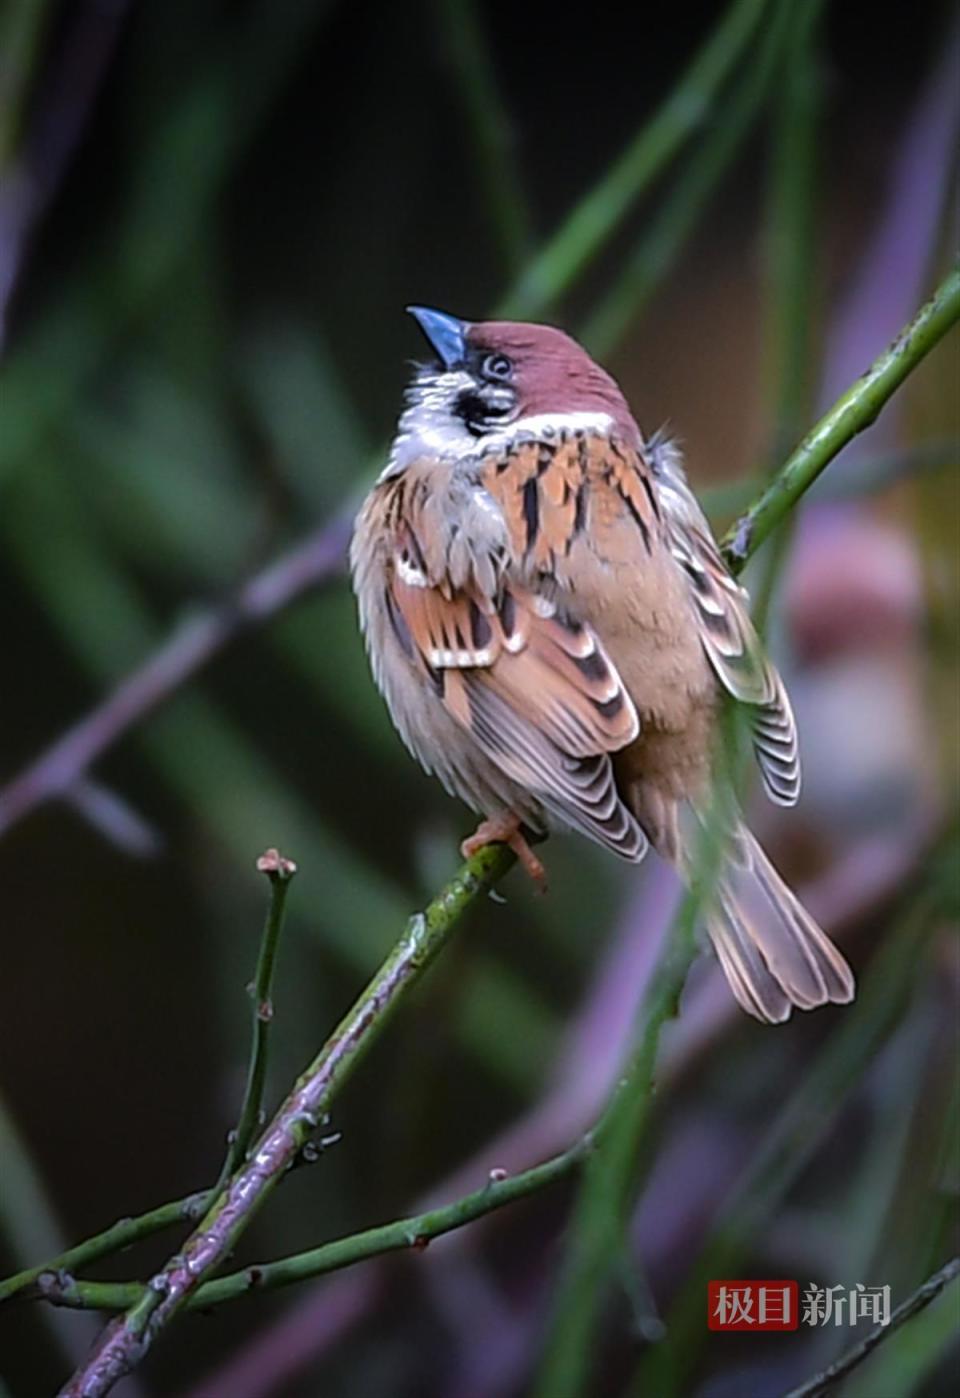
[[430, 427]]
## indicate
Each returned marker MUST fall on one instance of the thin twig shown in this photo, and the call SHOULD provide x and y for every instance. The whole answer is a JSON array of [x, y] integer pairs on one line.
[[850, 415], [127, 1339], [122, 1234], [415, 1233], [315, 560], [855, 1356], [280, 872], [55, 1284], [61, 1288]]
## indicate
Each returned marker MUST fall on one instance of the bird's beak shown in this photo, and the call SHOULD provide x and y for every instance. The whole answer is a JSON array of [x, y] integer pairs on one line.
[[447, 335]]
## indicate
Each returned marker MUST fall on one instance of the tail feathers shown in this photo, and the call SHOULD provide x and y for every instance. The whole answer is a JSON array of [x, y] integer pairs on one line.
[[772, 952]]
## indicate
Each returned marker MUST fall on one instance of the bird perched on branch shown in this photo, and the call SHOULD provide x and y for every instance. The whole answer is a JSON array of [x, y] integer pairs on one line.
[[553, 628]]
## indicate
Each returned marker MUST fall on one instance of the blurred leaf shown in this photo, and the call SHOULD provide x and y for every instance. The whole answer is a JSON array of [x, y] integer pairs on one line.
[[169, 481], [509, 1027], [22, 26], [305, 415], [592, 222], [202, 134]]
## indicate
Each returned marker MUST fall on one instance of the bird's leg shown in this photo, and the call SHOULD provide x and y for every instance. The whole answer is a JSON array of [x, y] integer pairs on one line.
[[506, 829]]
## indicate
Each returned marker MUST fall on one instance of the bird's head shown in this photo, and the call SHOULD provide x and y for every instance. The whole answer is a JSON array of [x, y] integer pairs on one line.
[[493, 381]]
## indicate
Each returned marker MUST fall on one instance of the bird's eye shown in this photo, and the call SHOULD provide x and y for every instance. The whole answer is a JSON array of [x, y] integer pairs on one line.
[[496, 366]]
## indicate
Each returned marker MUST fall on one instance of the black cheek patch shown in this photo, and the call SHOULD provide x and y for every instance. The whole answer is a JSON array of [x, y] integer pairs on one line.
[[471, 410]]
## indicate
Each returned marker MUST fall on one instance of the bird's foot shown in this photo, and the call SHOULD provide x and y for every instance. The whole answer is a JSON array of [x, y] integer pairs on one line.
[[507, 829]]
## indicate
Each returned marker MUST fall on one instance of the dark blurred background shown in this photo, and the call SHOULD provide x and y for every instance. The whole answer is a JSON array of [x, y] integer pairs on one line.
[[211, 218]]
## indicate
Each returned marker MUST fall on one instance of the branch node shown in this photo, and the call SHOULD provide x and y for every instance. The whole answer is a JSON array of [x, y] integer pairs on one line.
[[52, 1285]]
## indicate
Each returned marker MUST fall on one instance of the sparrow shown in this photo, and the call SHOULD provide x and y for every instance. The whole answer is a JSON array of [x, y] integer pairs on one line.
[[553, 628]]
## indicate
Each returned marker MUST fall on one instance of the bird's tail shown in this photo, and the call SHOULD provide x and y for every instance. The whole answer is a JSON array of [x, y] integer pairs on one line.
[[772, 952]]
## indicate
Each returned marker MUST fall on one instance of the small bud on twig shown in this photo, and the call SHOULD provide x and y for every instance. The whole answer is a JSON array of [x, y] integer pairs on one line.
[[276, 865]]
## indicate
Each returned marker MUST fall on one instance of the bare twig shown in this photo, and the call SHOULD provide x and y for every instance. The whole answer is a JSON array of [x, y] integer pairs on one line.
[[929, 1291], [122, 1234], [61, 1289], [126, 1340], [280, 872]]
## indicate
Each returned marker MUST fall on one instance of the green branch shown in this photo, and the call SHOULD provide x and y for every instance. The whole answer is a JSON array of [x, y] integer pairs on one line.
[[280, 872], [127, 1339], [850, 415], [415, 1233], [120, 1235]]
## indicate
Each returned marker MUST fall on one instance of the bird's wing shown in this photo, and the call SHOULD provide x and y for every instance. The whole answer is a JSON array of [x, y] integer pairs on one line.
[[721, 609], [532, 685]]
